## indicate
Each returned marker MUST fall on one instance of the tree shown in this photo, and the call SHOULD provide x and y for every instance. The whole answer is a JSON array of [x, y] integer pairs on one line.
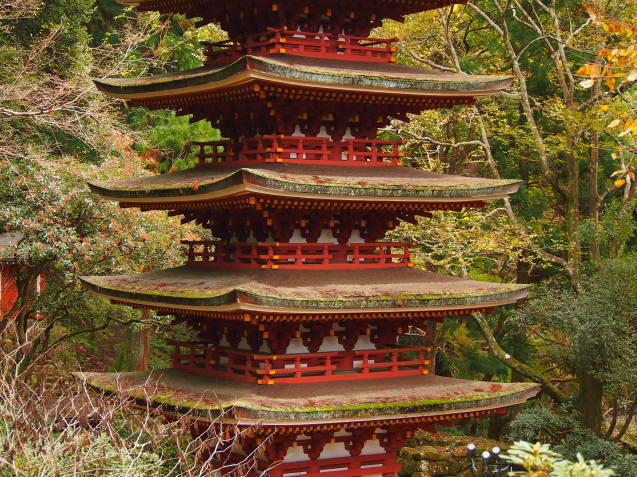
[[69, 232], [56, 128], [587, 332], [539, 132], [616, 69], [548, 131]]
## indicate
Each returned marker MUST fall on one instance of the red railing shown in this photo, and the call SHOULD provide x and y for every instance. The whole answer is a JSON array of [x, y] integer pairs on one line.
[[204, 358], [359, 466], [303, 43], [299, 149], [276, 255]]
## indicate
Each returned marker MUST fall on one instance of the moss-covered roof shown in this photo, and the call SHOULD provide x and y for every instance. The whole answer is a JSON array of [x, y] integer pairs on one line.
[[328, 74], [300, 180], [205, 289], [413, 395]]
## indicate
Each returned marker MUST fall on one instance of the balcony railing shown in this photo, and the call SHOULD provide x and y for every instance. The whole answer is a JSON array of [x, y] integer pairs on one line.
[[208, 359], [274, 255], [303, 43], [300, 150]]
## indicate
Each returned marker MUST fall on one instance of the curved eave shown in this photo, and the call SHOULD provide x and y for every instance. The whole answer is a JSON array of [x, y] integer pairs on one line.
[[201, 185], [206, 397], [250, 69], [266, 294]]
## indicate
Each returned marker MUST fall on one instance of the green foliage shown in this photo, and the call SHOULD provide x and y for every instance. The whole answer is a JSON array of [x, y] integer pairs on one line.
[[538, 423], [564, 431], [69, 232], [566, 219], [165, 137], [592, 326], [615, 232], [538, 460], [56, 130], [533, 457], [69, 52], [465, 243], [95, 452], [462, 354], [580, 468]]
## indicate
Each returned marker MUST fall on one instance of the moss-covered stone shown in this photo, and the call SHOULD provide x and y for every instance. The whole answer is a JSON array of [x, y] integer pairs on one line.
[[442, 455]]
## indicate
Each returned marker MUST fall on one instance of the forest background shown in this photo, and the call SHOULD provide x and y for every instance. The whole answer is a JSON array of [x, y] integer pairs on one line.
[[566, 128]]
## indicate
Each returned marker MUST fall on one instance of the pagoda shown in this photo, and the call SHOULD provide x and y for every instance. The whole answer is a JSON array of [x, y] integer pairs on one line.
[[299, 305]]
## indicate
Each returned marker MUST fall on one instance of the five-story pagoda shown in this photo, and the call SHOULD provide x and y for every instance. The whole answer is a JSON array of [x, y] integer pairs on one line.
[[299, 305]]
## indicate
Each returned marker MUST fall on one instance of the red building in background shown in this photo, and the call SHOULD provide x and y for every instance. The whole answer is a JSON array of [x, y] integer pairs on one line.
[[9, 268]]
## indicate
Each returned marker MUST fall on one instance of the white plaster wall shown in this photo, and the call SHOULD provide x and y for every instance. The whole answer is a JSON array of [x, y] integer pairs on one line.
[[330, 343], [333, 450], [326, 237]]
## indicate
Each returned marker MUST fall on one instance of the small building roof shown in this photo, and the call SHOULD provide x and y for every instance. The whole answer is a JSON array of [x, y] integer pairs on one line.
[[305, 182], [7, 241], [307, 291], [205, 396], [10, 239], [350, 76]]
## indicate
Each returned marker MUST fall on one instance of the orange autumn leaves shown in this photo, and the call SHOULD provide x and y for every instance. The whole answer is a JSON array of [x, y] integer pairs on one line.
[[617, 70]]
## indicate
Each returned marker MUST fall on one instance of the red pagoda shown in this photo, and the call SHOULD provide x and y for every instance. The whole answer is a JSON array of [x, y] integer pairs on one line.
[[299, 305]]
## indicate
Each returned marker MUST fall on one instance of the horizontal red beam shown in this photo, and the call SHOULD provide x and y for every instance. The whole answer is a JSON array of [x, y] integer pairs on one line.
[[274, 255], [299, 150]]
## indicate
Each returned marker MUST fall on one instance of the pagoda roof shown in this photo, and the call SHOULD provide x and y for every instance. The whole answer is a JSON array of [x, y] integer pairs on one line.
[[302, 404], [388, 183], [171, 90], [193, 287], [10, 239]]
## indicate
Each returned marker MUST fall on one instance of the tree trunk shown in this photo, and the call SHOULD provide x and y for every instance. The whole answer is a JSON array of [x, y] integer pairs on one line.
[[591, 403], [499, 422], [521, 368], [139, 345], [573, 209], [593, 187]]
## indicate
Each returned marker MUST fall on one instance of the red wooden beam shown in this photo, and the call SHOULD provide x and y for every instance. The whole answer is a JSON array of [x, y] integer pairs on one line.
[[298, 150], [308, 256], [303, 43]]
